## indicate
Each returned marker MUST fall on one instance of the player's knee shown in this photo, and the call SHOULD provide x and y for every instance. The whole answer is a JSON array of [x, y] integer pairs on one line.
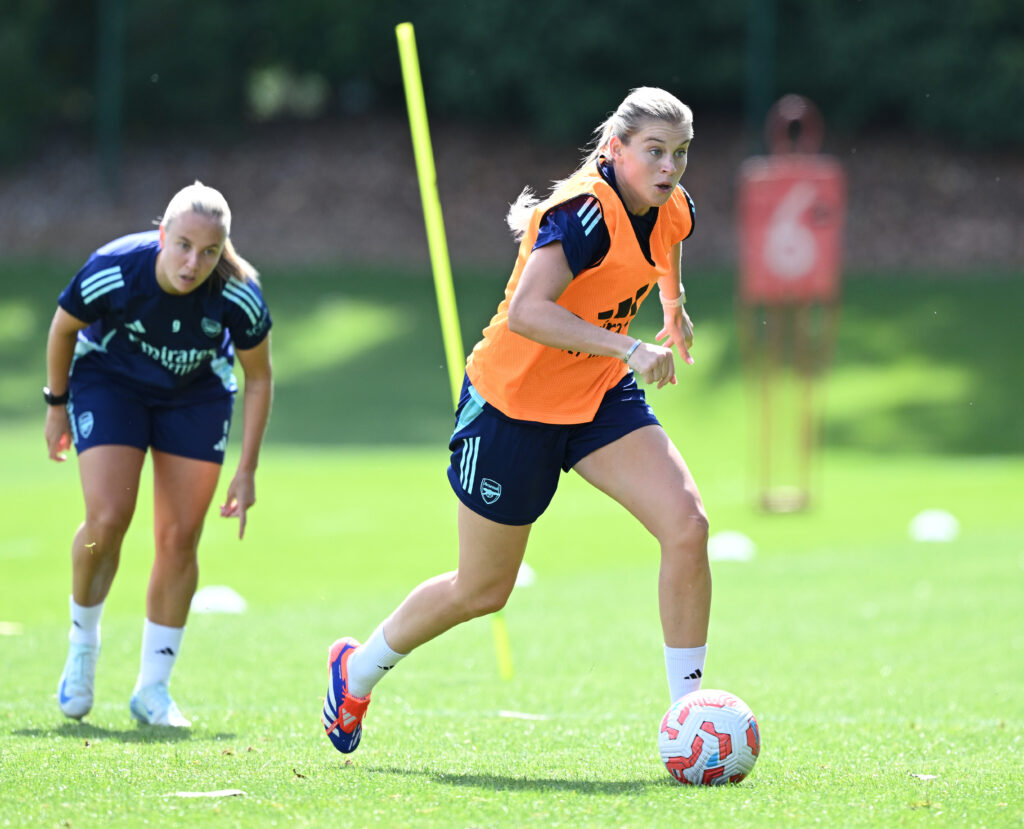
[[178, 541], [688, 533], [105, 528], [700, 527], [493, 601], [484, 600]]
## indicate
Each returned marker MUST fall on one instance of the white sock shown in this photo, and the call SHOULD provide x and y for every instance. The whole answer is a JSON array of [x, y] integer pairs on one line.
[[160, 648], [370, 661], [685, 668], [85, 623]]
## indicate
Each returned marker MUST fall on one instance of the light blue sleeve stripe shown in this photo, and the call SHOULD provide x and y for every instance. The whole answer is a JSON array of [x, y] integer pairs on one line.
[[242, 301], [112, 283], [245, 289], [590, 213], [245, 297], [87, 283]]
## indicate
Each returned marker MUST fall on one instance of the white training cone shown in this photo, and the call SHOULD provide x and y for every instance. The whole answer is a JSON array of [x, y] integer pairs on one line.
[[217, 599], [526, 575], [934, 525], [730, 545]]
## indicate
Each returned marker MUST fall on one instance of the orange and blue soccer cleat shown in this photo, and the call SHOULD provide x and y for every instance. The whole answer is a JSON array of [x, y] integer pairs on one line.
[[343, 713]]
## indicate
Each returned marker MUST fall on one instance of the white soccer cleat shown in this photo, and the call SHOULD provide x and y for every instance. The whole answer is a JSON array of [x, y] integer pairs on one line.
[[74, 691], [153, 705]]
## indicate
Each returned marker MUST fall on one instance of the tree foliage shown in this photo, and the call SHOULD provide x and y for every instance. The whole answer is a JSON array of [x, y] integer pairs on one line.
[[946, 68]]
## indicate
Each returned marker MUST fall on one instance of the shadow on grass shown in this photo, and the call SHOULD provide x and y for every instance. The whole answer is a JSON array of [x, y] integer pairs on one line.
[[903, 327], [500, 782], [138, 734], [360, 360]]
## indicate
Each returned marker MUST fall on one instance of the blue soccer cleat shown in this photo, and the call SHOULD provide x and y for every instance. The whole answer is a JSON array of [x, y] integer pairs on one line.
[[74, 691], [343, 713], [152, 705]]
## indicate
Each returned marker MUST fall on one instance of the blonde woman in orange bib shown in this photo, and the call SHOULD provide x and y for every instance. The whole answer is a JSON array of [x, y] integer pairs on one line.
[[552, 387]]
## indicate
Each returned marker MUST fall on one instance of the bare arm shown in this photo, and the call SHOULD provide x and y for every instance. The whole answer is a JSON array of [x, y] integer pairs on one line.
[[60, 349], [257, 396], [677, 330], [534, 313]]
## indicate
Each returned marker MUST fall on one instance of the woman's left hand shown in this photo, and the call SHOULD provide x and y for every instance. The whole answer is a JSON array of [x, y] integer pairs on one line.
[[677, 331], [241, 495]]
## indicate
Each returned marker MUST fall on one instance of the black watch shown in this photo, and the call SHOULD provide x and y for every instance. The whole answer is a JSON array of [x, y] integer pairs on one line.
[[55, 399]]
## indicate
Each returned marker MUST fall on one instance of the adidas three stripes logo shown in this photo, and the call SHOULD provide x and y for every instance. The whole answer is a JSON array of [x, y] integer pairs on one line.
[[467, 466]]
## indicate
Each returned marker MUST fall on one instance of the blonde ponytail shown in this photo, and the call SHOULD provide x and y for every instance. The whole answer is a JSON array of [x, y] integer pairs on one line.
[[234, 266]]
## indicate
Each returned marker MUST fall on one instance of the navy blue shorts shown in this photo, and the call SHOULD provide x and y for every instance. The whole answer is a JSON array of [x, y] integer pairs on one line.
[[106, 411], [507, 470]]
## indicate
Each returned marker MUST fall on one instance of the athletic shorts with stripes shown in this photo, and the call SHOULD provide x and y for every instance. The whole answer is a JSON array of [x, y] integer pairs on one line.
[[507, 470], [104, 411]]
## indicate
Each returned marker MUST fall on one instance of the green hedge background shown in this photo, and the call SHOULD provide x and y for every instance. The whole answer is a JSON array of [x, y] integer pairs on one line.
[[945, 68]]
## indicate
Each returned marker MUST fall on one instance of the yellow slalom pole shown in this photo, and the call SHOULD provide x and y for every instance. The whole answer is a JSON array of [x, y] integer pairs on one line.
[[455, 355]]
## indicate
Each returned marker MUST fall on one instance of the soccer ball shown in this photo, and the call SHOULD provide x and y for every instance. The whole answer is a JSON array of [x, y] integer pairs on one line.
[[708, 738]]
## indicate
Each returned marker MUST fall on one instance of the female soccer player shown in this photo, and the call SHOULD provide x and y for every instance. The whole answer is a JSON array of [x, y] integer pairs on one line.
[[140, 356], [552, 386]]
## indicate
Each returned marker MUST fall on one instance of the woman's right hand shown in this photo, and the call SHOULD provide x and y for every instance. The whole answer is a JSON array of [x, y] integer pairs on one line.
[[58, 432], [60, 351], [654, 364]]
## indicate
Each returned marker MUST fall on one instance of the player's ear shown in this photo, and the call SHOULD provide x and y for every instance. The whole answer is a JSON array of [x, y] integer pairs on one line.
[[162, 234]]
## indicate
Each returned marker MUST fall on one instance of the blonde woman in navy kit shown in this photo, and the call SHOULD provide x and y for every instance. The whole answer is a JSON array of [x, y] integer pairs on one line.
[[140, 358]]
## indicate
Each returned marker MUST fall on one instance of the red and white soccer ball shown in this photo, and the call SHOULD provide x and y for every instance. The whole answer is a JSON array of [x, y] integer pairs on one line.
[[708, 738]]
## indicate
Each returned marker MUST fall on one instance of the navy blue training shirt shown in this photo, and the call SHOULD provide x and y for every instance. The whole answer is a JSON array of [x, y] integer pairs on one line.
[[147, 336]]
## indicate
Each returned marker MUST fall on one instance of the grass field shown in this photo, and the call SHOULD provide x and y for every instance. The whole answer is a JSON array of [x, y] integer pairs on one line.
[[887, 674]]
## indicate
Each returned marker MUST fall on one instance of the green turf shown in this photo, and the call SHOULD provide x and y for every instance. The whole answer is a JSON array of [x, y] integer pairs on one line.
[[886, 673]]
